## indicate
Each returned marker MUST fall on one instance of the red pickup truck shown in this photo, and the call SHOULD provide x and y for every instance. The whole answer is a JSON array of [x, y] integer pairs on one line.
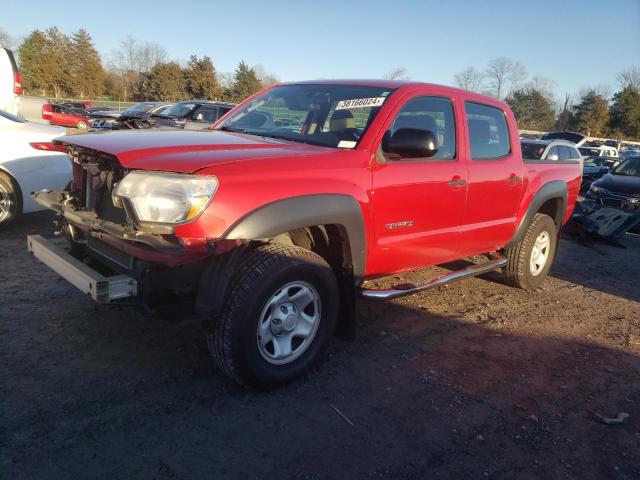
[[270, 224]]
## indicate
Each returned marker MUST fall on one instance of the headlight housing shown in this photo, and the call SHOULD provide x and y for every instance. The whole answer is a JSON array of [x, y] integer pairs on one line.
[[166, 198]]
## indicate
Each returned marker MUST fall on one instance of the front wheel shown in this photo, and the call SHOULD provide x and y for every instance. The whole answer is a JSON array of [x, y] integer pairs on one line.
[[81, 125], [279, 316], [530, 260]]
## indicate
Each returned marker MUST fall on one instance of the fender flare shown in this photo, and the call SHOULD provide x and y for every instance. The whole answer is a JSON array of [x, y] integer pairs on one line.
[[305, 211], [556, 189]]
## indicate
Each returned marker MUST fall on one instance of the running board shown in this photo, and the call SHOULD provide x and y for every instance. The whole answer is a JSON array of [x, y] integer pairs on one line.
[[396, 291]]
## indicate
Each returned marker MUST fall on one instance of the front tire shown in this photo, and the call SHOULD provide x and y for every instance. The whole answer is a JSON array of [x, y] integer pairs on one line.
[[530, 260], [278, 318], [10, 200], [81, 125]]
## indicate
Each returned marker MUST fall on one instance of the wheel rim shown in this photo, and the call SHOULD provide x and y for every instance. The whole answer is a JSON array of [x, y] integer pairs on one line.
[[288, 323], [540, 253], [5, 203]]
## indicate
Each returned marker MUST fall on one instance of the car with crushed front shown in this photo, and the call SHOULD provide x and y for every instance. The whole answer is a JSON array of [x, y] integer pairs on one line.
[[271, 225]]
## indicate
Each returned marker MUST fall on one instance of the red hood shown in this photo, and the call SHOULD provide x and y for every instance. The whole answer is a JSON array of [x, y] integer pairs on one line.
[[186, 151]]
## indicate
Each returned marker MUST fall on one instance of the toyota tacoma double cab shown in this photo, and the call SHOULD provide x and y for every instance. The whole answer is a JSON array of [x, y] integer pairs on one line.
[[271, 223]]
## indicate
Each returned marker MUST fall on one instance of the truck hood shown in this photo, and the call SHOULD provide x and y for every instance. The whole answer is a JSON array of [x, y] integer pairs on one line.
[[186, 151]]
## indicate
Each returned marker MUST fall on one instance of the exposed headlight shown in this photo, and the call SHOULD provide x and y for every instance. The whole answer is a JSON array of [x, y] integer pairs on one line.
[[166, 197]]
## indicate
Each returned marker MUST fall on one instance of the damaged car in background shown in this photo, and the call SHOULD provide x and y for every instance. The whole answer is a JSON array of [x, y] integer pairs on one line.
[[136, 117]]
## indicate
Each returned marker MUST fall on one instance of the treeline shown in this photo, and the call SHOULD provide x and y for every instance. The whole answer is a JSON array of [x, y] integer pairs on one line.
[[595, 112], [57, 65]]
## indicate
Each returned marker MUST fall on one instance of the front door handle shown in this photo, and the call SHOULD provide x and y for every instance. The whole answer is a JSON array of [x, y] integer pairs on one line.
[[457, 181], [514, 178]]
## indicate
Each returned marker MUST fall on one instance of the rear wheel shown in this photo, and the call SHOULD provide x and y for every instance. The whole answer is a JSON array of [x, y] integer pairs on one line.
[[530, 260], [10, 201], [278, 318], [82, 125]]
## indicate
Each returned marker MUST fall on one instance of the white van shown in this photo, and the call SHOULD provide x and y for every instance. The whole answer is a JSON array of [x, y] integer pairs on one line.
[[10, 82]]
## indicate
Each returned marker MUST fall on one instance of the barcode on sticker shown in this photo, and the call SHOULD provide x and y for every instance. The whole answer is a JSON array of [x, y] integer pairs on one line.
[[360, 103]]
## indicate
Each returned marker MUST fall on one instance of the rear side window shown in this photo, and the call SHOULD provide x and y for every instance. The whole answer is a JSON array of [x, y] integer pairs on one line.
[[488, 132], [574, 152], [565, 153]]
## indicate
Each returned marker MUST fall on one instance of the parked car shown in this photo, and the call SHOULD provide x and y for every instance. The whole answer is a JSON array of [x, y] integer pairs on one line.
[[136, 117], [272, 233], [102, 119], [593, 168], [10, 82], [600, 151], [190, 115], [29, 162], [64, 116], [554, 150], [620, 188]]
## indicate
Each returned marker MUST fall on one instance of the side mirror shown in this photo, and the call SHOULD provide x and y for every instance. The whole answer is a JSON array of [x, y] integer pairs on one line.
[[410, 143], [553, 157]]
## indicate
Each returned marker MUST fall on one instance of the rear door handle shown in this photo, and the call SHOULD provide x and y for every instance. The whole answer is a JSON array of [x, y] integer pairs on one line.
[[457, 181], [514, 178]]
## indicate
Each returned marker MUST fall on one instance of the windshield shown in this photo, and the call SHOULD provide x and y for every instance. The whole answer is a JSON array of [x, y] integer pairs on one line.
[[11, 117], [589, 152], [630, 167], [180, 110], [326, 115], [532, 151], [140, 107]]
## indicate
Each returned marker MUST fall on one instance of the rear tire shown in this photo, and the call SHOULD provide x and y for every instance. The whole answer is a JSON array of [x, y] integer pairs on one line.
[[530, 260], [278, 319], [10, 200]]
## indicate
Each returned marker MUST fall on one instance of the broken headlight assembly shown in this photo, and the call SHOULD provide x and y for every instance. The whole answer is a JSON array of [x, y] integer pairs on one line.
[[166, 198]]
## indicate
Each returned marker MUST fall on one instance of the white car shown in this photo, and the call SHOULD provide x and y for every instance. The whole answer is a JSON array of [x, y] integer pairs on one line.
[[10, 82], [29, 161]]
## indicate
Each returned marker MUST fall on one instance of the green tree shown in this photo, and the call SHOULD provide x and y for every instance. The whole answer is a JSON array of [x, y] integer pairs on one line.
[[201, 81], [532, 109], [42, 63], [85, 68], [245, 83], [591, 115], [166, 82], [625, 112]]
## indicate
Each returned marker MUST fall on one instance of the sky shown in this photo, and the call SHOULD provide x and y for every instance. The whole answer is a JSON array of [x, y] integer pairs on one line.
[[575, 43]]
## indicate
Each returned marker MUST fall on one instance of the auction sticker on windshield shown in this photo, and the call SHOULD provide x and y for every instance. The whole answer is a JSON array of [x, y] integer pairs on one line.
[[360, 103]]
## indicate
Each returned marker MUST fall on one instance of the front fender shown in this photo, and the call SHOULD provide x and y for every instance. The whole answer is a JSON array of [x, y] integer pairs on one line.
[[306, 211]]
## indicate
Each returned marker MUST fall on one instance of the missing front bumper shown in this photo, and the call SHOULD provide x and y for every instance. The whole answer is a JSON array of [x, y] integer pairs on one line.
[[99, 287]]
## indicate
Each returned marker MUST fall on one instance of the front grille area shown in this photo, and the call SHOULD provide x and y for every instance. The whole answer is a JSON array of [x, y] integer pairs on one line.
[[100, 173]]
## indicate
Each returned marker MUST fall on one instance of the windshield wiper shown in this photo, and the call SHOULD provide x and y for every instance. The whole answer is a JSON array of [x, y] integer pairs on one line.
[[224, 128]]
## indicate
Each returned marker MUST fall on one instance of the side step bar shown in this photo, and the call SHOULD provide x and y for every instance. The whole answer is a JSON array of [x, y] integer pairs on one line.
[[102, 289], [401, 290]]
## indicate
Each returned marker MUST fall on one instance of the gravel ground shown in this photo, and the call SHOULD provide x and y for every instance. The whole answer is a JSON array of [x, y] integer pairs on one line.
[[472, 380]]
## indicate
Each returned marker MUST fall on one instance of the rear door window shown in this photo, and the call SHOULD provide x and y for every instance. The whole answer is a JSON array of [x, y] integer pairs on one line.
[[564, 152], [553, 152], [488, 132]]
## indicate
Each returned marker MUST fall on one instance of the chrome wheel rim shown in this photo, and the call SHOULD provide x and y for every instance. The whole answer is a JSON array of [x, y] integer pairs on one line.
[[5, 203], [540, 253], [288, 323]]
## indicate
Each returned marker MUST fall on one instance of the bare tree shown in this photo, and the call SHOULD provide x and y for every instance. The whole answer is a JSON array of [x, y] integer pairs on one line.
[[6, 40], [398, 73], [504, 76], [266, 79], [469, 79], [132, 59], [629, 78], [544, 85]]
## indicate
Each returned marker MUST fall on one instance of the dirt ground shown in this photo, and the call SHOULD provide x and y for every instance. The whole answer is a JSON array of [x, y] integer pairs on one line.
[[473, 380]]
